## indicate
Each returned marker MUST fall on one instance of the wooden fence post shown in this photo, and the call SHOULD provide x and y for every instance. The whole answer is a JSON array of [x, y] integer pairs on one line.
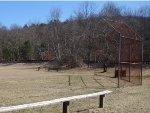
[[101, 101], [65, 107], [69, 80]]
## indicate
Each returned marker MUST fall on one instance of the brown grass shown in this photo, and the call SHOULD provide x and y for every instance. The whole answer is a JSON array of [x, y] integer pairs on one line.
[[22, 83]]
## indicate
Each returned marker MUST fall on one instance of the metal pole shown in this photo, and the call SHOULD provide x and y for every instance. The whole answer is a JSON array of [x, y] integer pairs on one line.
[[48, 52], [65, 107], [119, 59], [141, 59], [129, 61]]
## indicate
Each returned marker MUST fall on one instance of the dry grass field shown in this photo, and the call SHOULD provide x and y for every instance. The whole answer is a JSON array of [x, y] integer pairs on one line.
[[22, 83]]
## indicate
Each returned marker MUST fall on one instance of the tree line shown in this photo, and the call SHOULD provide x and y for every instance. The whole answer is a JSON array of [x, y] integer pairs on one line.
[[82, 37]]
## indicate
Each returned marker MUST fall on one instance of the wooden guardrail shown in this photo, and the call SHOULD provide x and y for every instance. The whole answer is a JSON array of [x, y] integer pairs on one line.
[[65, 102]]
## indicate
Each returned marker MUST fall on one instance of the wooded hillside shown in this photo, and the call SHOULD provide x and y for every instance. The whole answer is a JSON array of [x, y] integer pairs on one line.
[[80, 38]]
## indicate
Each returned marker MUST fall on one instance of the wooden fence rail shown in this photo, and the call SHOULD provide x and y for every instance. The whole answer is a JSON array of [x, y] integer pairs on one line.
[[65, 102]]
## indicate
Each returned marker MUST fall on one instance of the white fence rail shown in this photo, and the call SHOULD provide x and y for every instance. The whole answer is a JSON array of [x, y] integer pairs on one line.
[[65, 102]]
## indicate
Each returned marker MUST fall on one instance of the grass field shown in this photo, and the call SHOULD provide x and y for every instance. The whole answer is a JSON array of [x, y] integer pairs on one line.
[[22, 83]]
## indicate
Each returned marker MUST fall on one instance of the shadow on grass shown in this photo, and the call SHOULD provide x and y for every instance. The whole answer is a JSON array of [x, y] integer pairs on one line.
[[7, 64]]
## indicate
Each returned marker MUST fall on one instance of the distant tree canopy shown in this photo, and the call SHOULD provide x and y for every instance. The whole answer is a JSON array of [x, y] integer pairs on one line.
[[27, 50], [110, 9], [7, 54], [82, 37]]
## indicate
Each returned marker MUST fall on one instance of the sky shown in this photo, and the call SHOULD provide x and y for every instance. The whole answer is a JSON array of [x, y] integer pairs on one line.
[[27, 12]]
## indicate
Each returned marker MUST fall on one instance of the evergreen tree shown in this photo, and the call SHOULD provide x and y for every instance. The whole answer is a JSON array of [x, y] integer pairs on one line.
[[27, 50]]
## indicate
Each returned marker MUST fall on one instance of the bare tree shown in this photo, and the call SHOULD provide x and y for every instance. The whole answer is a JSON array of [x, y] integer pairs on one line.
[[144, 11], [110, 9], [86, 21], [55, 14], [56, 29], [86, 10]]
